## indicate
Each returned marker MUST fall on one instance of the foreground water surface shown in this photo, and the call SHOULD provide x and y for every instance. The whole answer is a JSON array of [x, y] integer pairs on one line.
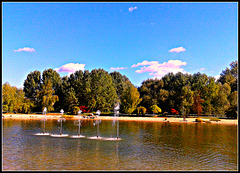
[[143, 146]]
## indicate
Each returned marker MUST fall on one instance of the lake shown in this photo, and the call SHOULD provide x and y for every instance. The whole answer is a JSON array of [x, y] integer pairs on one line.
[[143, 146]]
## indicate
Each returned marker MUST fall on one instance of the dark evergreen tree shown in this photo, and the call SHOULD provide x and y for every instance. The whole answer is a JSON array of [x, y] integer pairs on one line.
[[32, 84], [119, 81], [85, 101], [103, 93], [76, 81]]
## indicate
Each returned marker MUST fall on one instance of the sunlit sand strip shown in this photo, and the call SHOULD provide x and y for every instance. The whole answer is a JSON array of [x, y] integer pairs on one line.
[[183, 121], [146, 119], [170, 120]]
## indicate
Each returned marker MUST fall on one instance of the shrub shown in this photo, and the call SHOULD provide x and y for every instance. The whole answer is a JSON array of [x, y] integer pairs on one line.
[[75, 110], [174, 112], [84, 109], [141, 110], [5, 108], [155, 109], [198, 120]]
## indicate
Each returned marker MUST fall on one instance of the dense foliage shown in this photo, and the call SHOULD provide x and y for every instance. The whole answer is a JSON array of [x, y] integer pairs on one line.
[[196, 94], [99, 90], [13, 100]]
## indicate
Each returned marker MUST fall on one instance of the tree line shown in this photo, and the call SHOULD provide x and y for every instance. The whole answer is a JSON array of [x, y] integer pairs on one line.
[[99, 90]]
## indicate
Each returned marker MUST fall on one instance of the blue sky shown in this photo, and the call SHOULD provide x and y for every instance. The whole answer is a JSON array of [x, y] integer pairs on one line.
[[140, 40]]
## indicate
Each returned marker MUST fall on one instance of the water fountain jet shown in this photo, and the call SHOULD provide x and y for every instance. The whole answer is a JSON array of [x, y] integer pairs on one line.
[[116, 115], [60, 120], [44, 120], [78, 123], [96, 123]]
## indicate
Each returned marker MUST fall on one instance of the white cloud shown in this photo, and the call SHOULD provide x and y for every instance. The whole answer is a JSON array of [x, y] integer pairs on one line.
[[25, 49], [202, 69], [132, 8], [70, 68], [118, 68], [217, 77], [154, 68], [145, 63], [177, 49]]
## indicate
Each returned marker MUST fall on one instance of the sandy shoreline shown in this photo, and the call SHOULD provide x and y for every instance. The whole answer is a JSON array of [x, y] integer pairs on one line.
[[146, 119]]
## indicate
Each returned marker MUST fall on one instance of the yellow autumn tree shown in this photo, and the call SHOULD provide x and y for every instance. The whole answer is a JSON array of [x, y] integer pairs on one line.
[[130, 99], [47, 97]]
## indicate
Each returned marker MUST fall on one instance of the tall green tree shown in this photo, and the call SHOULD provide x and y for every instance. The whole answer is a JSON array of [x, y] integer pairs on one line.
[[85, 101], [232, 111], [62, 91], [209, 93], [187, 98], [199, 81], [168, 80], [103, 93], [179, 91], [163, 99], [182, 91], [70, 100], [233, 99], [149, 92], [32, 85], [221, 102], [77, 84], [53, 76], [230, 76], [119, 81]]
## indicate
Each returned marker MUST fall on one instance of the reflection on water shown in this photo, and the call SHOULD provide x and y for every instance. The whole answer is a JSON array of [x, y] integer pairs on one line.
[[144, 146]]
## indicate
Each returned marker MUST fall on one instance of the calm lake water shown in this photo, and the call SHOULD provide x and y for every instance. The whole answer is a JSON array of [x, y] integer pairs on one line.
[[144, 146]]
